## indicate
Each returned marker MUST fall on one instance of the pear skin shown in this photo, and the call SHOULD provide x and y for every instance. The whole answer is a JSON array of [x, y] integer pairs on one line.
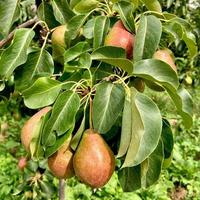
[[58, 36], [61, 162], [120, 37], [94, 162], [28, 128]]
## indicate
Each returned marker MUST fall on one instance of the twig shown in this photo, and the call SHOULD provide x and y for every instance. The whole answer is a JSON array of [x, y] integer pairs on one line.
[[61, 189], [11, 34]]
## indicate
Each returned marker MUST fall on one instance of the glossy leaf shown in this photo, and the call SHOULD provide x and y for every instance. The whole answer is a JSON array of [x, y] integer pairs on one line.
[[39, 63], [88, 29], [16, 53], [101, 27], [62, 11], [42, 93], [63, 115], [85, 6], [107, 105], [114, 56], [146, 128], [147, 37], [126, 131], [152, 5], [8, 9], [125, 10], [45, 13]]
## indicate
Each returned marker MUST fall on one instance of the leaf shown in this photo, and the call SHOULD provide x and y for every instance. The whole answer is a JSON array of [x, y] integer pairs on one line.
[[114, 56], [146, 129], [107, 105], [155, 161], [58, 143], [88, 29], [167, 138], [16, 53], [42, 93], [45, 13], [125, 10], [153, 5], [126, 126], [183, 102], [158, 71], [75, 51], [147, 37], [62, 11], [8, 9], [85, 6], [63, 115], [101, 27], [130, 178], [39, 63]]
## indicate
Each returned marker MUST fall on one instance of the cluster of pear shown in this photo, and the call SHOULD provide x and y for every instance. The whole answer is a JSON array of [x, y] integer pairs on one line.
[[93, 162]]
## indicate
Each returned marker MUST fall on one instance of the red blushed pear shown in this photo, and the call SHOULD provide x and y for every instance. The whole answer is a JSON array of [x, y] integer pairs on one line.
[[94, 162], [166, 56], [29, 127], [61, 162], [22, 163], [120, 37]]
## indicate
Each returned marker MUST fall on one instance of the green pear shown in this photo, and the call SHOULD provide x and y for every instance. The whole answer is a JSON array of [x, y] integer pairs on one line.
[[120, 37], [94, 162], [58, 36]]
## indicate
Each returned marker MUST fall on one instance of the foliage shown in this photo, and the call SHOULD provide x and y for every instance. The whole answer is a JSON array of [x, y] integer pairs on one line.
[[91, 84]]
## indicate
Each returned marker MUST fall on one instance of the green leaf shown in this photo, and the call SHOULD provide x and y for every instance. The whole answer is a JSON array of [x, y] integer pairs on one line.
[[88, 29], [45, 13], [58, 143], [125, 10], [126, 131], [183, 102], [8, 9], [101, 27], [153, 5], [155, 161], [75, 51], [158, 71], [114, 56], [63, 115], [147, 37], [107, 105], [146, 128], [130, 178], [85, 6], [42, 93], [62, 11], [16, 53], [39, 63]]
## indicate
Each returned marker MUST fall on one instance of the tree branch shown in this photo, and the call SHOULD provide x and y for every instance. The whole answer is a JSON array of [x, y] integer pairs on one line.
[[11, 34], [61, 189]]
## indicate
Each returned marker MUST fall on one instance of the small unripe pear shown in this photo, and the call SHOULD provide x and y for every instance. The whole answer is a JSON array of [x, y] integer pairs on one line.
[[29, 127], [120, 37], [22, 163], [94, 162], [58, 36], [61, 162], [166, 56]]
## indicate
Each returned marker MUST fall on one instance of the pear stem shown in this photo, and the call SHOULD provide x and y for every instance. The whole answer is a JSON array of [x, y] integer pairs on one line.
[[91, 125], [61, 189]]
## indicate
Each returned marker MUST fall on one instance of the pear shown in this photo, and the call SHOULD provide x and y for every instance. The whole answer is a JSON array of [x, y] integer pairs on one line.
[[22, 163], [61, 162], [58, 36], [94, 162], [120, 37], [166, 56], [29, 127]]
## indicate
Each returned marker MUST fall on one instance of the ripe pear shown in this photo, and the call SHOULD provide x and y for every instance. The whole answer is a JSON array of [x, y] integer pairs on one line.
[[29, 127], [94, 162], [61, 162], [166, 56], [22, 163], [120, 37], [58, 36]]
